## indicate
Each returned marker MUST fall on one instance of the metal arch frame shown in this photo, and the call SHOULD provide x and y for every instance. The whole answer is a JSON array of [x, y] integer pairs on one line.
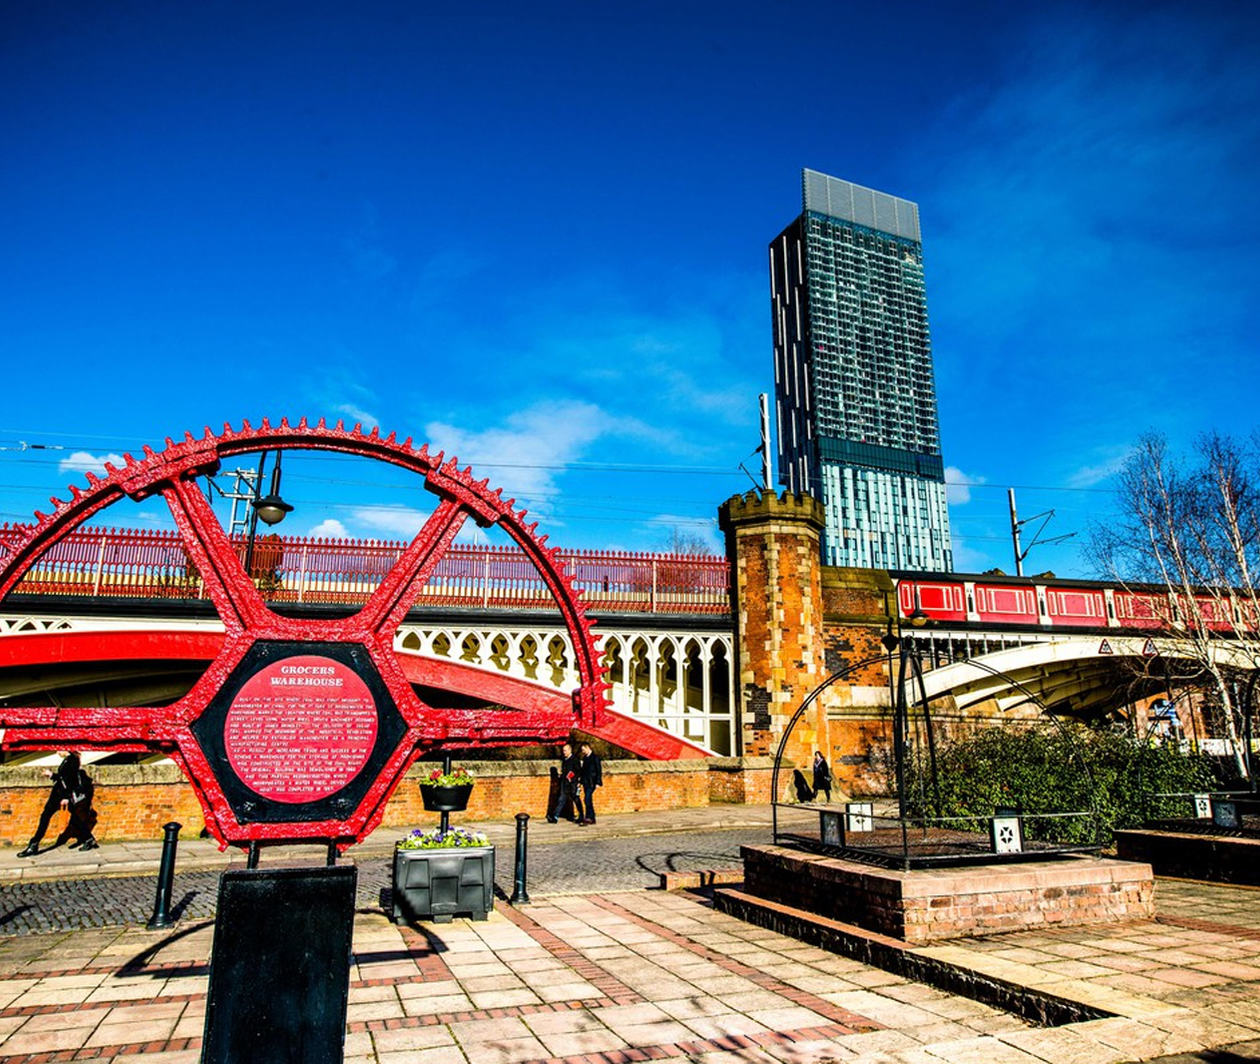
[[900, 715], [172, 473], [809, 700]]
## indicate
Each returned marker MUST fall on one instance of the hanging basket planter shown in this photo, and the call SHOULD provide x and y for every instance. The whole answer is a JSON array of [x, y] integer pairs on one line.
[[452, 799], [446, 790]]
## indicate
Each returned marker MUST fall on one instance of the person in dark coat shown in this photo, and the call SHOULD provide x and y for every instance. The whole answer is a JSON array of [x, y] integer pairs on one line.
[[71, 791], [567, 795], [592, 776], [822, 775]]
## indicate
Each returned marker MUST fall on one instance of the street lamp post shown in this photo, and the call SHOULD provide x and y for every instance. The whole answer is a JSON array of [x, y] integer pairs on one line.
[[271, 509]]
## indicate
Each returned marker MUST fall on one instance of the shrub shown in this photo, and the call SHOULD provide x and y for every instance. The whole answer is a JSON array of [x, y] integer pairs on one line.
[[1057, 770]]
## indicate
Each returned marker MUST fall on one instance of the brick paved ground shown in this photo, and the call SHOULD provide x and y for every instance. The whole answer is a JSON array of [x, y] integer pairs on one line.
[[598, 979], [607, 977], [563, 864]]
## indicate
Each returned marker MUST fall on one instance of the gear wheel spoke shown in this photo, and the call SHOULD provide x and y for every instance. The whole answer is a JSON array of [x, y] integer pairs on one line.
[[148, 728], [234, 595], [397, 592]]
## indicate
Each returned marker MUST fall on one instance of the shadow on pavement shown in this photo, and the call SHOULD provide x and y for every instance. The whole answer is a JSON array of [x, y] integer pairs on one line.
[[137, 965], [672, 861]]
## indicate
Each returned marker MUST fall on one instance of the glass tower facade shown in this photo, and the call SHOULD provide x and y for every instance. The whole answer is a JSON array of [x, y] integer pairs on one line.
[[855, 398]]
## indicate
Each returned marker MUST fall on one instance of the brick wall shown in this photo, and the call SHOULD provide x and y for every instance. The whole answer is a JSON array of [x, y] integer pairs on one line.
[[933, 905], [1223, 858], [134, 801]]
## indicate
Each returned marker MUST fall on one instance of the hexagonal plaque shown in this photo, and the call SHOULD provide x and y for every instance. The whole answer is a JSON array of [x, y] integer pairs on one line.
[[299, 731]]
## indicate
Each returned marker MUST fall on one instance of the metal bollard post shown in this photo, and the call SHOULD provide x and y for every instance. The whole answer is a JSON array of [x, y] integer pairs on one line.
[[166, 874], [520, 896]]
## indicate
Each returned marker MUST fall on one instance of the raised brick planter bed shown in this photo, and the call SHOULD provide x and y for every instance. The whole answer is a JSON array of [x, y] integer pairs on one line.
[[1218, 858], [932, 905]]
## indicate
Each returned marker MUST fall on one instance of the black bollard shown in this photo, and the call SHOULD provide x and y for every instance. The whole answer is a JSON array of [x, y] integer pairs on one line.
[[166, 874], [520, 896], [444, 817]]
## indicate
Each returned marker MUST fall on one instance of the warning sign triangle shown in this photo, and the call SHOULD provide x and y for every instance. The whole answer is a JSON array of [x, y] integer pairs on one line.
[[1105, 648], [1148, 649]]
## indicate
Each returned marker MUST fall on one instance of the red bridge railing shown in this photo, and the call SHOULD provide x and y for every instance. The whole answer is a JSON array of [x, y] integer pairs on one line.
[[135, 563]]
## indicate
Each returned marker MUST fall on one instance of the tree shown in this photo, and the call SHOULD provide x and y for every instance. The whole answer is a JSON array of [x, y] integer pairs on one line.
[[1191, 528], [683, 542]]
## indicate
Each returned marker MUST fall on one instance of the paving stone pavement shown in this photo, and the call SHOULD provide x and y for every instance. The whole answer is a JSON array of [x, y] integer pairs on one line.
[[601, 971], [567, 863], [603, 978]]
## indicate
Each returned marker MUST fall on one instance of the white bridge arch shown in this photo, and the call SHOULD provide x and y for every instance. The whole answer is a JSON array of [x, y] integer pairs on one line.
[[679, 681], [1086, 672]]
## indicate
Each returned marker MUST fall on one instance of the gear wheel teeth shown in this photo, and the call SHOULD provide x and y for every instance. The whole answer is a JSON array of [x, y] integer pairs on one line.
[[265, 426]]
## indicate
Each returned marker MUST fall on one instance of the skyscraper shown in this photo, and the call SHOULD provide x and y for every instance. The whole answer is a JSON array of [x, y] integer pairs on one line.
[[855, 399]]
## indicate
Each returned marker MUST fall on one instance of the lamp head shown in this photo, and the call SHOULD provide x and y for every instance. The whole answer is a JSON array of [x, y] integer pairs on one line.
[[271, 510]]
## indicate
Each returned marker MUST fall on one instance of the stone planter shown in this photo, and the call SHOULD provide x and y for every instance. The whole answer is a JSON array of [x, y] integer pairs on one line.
[[445, 799], [439, 884]]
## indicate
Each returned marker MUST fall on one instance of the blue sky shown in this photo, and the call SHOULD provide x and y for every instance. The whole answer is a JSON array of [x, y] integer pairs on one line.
[[538, 238]]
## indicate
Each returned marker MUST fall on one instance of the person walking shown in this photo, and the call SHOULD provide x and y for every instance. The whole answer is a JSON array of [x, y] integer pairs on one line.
[[71, 791], [567, 794], [822, 775], [592, 776]]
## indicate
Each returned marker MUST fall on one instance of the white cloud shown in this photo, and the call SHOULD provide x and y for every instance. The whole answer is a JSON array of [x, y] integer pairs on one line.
[[958, 485], [84, 462], [969, 560], [531, 447], [330, 528], [1089, 475], [401, 521], [356, 414]]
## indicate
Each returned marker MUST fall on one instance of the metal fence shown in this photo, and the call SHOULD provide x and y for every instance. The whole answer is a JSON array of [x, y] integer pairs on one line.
[[135, 563], [872, 832], [1234, 813]]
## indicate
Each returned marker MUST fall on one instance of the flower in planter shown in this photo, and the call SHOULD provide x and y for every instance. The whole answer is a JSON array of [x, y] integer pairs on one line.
[[437, 839], [457, 777]]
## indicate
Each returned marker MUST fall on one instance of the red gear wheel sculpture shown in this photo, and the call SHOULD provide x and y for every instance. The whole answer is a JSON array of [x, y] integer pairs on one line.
[[300, 728]]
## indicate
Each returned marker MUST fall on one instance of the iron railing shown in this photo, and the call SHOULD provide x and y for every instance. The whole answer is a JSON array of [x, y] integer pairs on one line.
[[882, 838], [1234, 813], [135, 563]]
